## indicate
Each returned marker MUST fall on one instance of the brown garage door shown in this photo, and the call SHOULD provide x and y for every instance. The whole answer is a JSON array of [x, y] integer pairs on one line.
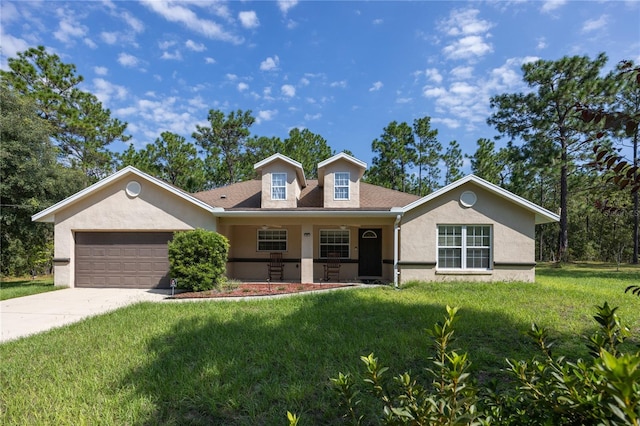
[[122, 259]]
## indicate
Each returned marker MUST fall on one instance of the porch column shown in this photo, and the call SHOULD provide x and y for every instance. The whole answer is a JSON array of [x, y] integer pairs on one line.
[[306, 256]]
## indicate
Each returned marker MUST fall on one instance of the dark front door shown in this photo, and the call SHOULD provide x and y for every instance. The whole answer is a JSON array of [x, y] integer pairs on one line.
[[370, 259]]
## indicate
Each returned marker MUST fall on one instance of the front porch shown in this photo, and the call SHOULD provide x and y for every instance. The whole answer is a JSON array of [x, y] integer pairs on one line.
[[365, 250]]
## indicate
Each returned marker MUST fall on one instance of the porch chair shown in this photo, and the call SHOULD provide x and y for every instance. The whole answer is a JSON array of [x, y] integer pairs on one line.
[[276, 266], [332, 267]]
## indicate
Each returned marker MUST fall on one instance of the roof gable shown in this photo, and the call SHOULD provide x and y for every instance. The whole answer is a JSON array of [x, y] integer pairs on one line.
[[293, 163], [48, 214], [542, 215], [340, 156]]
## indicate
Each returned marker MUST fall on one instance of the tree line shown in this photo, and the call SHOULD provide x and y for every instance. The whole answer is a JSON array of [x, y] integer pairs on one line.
[[56, 140]]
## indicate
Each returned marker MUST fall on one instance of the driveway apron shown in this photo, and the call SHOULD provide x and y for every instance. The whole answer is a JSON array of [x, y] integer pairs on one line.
[[27, 315]]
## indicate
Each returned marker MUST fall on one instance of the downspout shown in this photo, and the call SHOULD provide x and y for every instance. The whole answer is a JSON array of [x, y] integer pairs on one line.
[[396, 232]]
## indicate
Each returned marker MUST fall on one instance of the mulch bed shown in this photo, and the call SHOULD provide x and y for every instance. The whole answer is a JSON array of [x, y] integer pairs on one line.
[[261, 289]]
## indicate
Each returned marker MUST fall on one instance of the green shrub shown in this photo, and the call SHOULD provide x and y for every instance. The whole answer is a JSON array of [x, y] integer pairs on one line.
[[602, 390], [198, 259]]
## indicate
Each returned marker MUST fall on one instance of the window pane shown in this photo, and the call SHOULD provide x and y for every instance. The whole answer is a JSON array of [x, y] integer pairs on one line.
[[272, 240], [279, 186], [334, 241], [450, 236], [450, 258], [478, 258], [341, 186]]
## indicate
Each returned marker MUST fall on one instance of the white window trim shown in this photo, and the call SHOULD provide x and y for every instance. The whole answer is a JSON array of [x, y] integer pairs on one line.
[[320, 243], [336, 186], [463, 247], [284, 186], [286, 240]]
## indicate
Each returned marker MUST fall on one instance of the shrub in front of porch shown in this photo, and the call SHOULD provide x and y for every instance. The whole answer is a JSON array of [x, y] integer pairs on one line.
[[198, 259]]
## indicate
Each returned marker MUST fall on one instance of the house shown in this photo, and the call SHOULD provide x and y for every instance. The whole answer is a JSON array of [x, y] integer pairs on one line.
[[115, 232]]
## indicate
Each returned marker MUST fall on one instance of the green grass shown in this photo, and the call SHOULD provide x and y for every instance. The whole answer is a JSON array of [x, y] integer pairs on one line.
[[249, 362], [18, 287]]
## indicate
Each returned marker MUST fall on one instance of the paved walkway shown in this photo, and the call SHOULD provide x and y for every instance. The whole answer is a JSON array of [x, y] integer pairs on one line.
[[27, 315]]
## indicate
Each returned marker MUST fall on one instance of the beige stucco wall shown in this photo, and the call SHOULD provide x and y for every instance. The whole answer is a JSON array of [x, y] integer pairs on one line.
[[354, 186], [513, 230], [293, 186], [111, 209]]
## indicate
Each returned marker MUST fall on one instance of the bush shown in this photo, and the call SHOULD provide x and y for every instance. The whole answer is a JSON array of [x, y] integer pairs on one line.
[[198, 259], [604, 389]]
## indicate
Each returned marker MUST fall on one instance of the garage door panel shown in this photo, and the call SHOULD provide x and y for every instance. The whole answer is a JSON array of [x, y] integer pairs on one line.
[[122, 259]]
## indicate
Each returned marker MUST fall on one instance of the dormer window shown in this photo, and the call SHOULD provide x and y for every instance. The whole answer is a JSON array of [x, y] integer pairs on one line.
[[278, 186], [341, 186]]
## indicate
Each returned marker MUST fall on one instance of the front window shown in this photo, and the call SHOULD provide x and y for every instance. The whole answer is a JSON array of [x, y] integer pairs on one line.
[[341, 186], [334, 241], [272, 240], [464, 246], [278, 186]]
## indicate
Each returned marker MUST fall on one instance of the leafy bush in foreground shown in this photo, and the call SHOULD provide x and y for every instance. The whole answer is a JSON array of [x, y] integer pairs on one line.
[[604, 389], [198, 259]]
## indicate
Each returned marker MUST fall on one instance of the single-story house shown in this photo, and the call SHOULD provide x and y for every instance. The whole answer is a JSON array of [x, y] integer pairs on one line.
[[115, 232]]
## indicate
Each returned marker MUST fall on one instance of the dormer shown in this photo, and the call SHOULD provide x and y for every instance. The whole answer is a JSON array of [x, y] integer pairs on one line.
[[282, 181], [339, 177]]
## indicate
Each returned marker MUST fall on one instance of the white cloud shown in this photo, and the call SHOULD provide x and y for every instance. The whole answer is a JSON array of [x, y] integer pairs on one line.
[[135, 24], [542, 43], [378, 21], [270, 64], [196, 47], [266, 115], [209, 60], [231, 77], [166, 44], [175, 56], [404, 100], [11, 46], [174, 11], [249, 19], [101, 70], [466, 102], [462, 73], [288, 90], [242, 86], [463, 22], [376, 86], [341, 84], [310, 117], [470, 34], [595, 24], [433, 92], [285, 5], [449, 122], [69, 29], [468, 47], [105, 90], [109, 37], [434, 75], [90, 43], [304, 81], [551, 5], [127, 60]]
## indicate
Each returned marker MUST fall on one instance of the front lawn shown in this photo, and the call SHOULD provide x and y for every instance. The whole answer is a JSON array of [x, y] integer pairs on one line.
[[18, 287], [249, 362]]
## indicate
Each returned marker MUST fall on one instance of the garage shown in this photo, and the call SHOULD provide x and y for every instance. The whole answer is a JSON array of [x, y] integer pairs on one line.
[[122, 259]]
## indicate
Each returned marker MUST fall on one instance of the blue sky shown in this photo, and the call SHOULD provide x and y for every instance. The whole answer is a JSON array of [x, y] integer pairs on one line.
[[343, 70]]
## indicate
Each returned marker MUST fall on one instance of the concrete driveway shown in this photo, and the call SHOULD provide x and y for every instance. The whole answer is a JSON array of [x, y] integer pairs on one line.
[[27, 315]]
